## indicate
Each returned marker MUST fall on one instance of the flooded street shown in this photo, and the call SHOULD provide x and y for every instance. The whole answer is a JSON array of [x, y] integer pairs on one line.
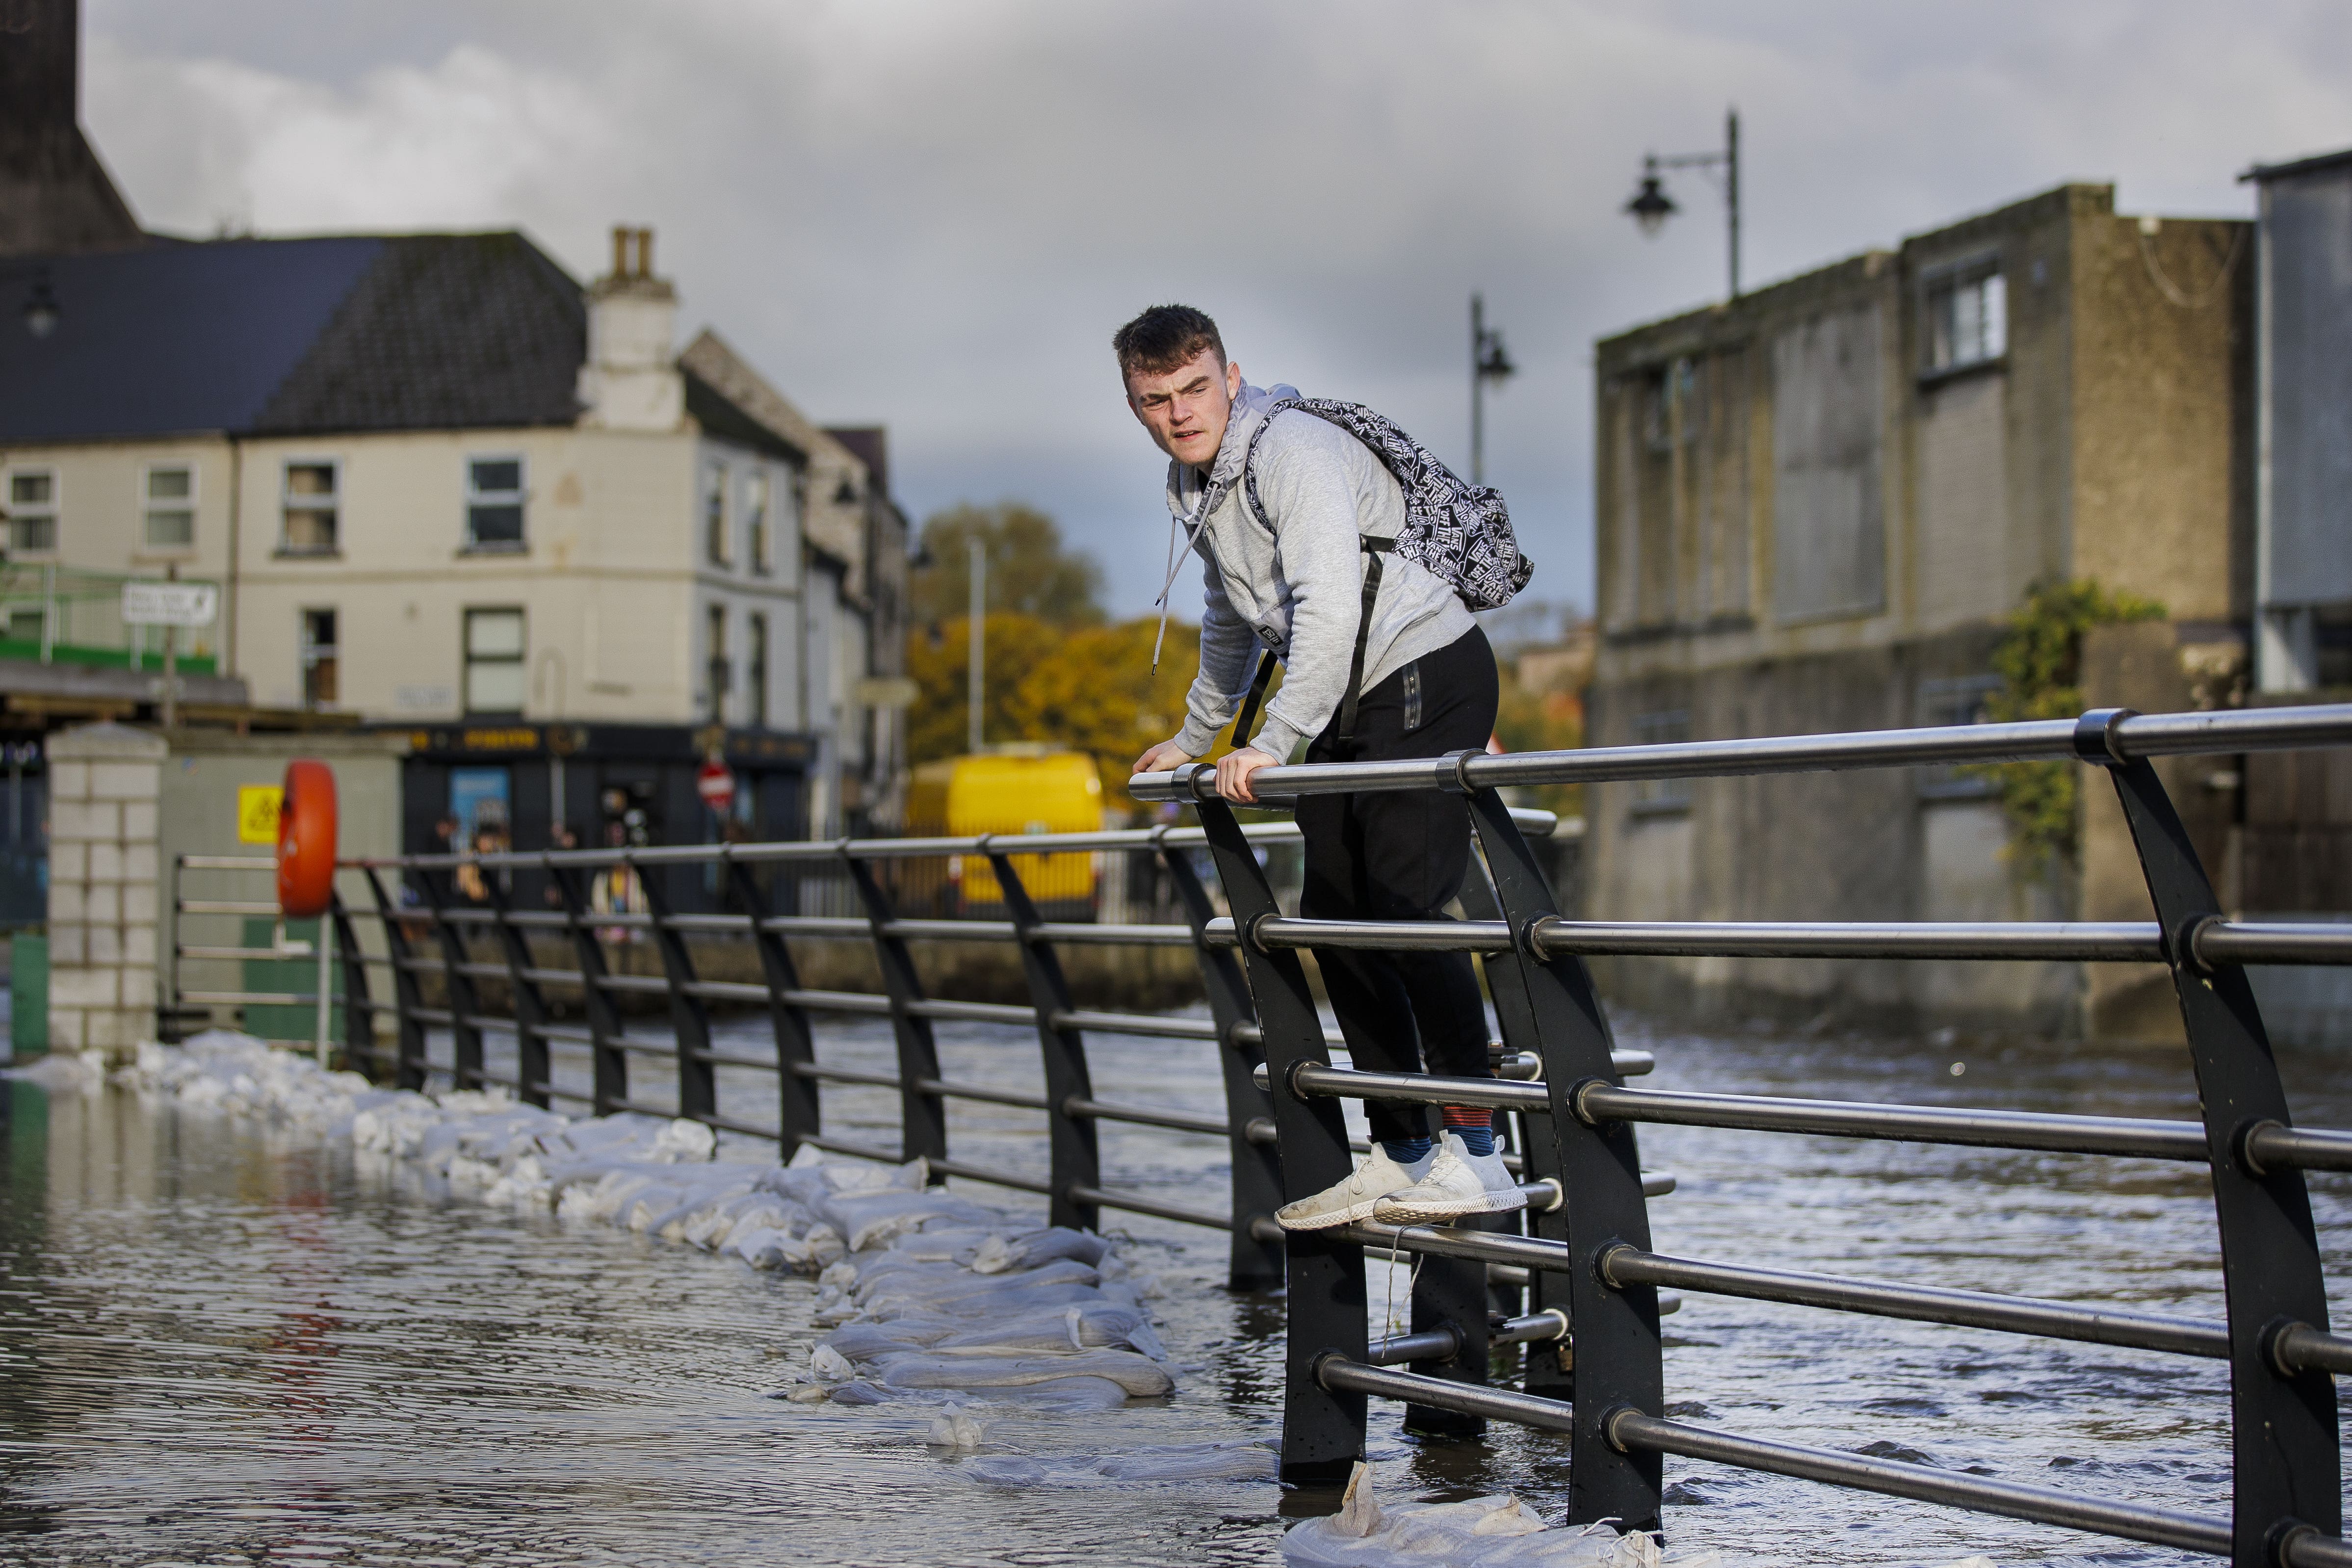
[[228, 1344]]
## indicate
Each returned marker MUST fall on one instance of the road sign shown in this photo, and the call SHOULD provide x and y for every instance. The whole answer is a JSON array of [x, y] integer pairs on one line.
[[716, 786], [170, 604], [256, 813]]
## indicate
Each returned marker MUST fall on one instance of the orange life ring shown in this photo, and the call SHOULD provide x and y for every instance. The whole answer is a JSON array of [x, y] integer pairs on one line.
[[306, 840]]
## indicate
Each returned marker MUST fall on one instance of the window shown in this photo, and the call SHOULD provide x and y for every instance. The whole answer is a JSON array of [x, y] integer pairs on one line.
[[33, 511], [25, 624], [755, 521], [320, 659], [1666, 393], [312, 526], [494, 503], [755, 675], [170, 516], [1968, 316], [494, 662], [1659, 796], [720, 672], [714, 514], [1960, 700]]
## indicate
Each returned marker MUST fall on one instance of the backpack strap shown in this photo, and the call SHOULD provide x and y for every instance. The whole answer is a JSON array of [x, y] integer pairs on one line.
[[1378, 550], [1247, 717]]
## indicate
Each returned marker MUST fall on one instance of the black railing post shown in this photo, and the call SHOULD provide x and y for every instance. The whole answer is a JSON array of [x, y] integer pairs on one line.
[[1257, 1260], [2286, 1463], [1547, 1360], [697, 1077], [1322, 1429], [359, 1006], [465, 1035], [608, 1059], [1617, 1362], [797, 1110], [528, 1006], [1077, 1162], [407, 998], [922, 1113]]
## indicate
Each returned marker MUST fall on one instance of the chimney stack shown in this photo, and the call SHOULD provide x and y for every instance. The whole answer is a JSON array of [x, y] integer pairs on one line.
[[55, 196], [630, 381]]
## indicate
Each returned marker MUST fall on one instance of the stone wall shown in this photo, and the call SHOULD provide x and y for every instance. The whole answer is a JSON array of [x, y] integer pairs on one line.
[[105, 875]]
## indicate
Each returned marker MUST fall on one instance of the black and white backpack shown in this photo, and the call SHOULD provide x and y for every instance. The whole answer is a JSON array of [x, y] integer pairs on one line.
[[1459, 532]]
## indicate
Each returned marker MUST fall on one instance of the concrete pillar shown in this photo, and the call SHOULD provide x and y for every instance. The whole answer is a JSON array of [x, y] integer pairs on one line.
[[105, 886]]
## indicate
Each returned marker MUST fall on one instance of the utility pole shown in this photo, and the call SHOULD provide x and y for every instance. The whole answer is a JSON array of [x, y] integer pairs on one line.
[[976, 676], [1488, 363]]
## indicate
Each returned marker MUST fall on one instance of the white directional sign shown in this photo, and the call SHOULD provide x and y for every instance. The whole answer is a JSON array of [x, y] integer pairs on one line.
[[170, 604]]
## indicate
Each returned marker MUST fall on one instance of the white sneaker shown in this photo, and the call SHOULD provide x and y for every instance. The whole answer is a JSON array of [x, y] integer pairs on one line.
[[1350, 1202], [1459, 1183]]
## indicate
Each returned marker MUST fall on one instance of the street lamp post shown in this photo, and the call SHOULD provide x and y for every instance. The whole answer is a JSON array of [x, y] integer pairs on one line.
[[1651, 207], [1488, 363], [975, 686]]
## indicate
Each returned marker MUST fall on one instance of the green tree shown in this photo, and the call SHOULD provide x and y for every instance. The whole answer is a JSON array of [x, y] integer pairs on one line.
[[1030, 571], [1528, 720], [2040, 662]]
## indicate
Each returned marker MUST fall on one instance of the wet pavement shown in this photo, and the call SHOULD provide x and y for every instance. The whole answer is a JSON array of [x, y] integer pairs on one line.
[[224, 1343]]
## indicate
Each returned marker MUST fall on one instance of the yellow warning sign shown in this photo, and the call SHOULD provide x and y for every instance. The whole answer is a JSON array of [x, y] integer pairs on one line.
[[256, 813]]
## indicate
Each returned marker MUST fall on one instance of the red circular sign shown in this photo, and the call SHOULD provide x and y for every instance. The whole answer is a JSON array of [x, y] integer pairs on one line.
[[716, 786]]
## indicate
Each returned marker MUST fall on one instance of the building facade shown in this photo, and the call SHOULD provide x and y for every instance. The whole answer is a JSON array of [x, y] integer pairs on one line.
[[1815, 507], [442, 486]]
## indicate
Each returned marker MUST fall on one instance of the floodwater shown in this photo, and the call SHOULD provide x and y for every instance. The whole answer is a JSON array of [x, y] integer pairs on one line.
[[224, 1344]]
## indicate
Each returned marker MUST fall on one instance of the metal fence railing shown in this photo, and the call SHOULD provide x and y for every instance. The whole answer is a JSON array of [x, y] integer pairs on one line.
[[1582, 1252], [1592, 1257], [463, 926]]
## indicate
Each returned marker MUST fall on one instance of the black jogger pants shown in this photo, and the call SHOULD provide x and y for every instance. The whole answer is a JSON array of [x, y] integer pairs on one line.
[[1401, 856]]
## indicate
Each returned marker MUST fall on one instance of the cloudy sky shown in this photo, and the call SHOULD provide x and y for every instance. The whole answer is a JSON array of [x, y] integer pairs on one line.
[[933, 213]]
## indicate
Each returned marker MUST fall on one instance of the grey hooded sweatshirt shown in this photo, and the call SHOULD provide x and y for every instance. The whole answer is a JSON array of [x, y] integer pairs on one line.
[[1298, 589]]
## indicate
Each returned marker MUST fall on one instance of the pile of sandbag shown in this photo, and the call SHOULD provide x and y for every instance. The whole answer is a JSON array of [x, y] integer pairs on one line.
[[1043, 1316], [1483, 1532], [927, 1295]]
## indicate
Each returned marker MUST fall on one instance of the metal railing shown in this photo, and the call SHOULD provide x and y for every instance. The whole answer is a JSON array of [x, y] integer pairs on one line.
[[429, 927], [1591, 1256], [1595, 1368]]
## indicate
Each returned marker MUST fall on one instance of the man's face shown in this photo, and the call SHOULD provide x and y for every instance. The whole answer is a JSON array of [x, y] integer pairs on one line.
[[1186, 408]]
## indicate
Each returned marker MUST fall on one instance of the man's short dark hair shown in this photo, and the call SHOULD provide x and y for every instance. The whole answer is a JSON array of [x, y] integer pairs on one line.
[[1165, 338]]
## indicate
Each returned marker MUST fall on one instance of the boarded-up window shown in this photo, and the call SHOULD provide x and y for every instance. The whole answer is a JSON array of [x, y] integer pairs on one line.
[[1966, 568], [1829, 529]]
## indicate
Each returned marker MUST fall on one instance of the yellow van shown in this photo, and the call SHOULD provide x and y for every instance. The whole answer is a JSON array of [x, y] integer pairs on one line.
[[1014, 790]]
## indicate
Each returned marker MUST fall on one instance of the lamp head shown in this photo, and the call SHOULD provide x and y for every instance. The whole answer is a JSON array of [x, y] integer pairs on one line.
[[1651, 207], [41, 308]]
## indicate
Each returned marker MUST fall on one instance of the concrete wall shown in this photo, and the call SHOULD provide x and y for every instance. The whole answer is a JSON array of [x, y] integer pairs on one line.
[[200, 780], [1890, 513], [1891, 845], [125, 803]]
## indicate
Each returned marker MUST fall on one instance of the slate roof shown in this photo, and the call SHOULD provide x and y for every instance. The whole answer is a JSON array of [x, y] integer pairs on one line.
[[287, 336], [445, 331]]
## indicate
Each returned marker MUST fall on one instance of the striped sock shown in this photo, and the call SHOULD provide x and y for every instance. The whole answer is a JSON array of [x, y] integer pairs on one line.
[[1405, 1151], [1473, 1124]]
